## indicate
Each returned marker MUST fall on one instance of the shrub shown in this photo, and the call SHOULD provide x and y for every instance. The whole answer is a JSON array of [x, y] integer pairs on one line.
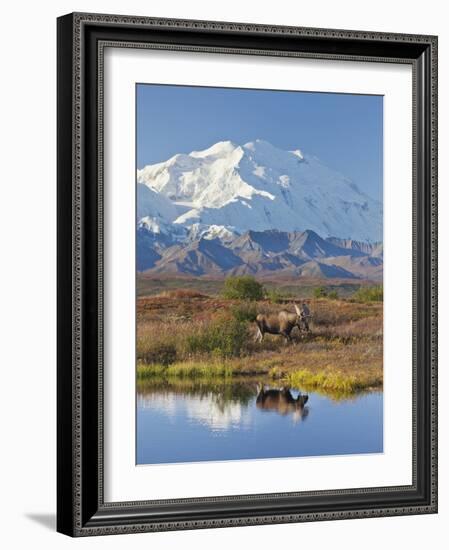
[[323, 292], [275, 296], [244, 287], [163, 353], [369, 294], [246, 311], [320, 292], [223, 337]]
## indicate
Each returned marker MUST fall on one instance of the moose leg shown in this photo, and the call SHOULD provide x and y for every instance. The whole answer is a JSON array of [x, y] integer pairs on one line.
[[259, 335]]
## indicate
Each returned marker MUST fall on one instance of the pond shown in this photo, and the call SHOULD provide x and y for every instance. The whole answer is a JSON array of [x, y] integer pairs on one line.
[[190, 421]]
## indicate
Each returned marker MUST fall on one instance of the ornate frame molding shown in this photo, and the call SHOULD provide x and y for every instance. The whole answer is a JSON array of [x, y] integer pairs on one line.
[[81, 509]]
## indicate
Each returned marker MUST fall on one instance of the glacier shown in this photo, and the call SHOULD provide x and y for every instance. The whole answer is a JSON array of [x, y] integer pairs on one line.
[[231, 189]]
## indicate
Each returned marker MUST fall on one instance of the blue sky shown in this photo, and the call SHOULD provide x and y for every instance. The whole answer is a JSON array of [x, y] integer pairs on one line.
[[343, 130]]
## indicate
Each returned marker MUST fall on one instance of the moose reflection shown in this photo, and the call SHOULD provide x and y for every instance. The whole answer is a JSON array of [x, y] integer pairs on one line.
[[282, 402]]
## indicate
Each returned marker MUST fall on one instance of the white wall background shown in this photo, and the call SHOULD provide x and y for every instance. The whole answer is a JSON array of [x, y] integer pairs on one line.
[[27, 289]]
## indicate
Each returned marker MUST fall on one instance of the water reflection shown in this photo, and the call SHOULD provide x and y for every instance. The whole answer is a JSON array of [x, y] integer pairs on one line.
[[185, 420], [282, 402], [218, 404]]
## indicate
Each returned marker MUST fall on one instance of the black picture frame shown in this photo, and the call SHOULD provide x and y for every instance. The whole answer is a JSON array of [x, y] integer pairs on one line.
[[81, 510]]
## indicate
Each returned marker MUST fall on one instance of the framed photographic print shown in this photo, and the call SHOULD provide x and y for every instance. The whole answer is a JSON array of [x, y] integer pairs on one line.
[[247, 284]]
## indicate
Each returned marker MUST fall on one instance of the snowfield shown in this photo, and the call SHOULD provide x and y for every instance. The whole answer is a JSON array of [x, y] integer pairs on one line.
[[229, 189]]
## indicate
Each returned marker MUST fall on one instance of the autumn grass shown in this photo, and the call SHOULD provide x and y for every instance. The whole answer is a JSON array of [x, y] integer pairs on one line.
[[333, 381], [369, 294], [189, 369], [191, 335], [151, 285], [330, 367]]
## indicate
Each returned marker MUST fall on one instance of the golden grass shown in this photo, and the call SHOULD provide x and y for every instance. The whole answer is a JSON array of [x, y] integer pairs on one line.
[[188, 369], [336, 381], [189, 334]]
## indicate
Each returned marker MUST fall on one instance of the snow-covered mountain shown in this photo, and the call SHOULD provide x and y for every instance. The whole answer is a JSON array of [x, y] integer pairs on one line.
[[255, 209], [230, 189]]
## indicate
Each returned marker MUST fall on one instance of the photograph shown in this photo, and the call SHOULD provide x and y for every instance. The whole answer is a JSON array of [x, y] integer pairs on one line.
[[259, 273]]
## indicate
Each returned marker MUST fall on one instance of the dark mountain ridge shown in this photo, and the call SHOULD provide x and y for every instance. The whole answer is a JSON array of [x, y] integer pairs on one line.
[[294, 254]]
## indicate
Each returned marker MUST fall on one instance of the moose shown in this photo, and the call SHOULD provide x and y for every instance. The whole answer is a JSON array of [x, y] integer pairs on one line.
[[283, 323], [283, 402]]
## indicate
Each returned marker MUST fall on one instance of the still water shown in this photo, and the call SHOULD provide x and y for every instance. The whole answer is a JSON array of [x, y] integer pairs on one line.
[[191, 421]]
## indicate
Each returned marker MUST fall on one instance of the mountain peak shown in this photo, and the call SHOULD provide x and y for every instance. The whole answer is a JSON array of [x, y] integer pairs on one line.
[[261, 187], [219, 149], [261, 145], [311, 234], [257, 143], [265, 253]]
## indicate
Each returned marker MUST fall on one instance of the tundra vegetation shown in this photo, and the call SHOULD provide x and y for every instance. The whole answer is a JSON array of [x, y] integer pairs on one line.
[[185, 333], [244, 287]]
